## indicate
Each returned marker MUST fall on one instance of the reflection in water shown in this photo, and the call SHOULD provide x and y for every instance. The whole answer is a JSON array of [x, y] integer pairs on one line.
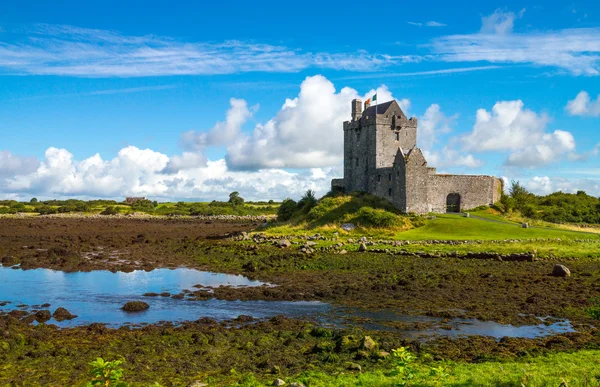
[[98, 296]]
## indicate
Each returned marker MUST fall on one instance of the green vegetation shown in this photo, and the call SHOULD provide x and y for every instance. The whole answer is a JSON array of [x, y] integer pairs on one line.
[[367, 212], [558, 207], [235, 206], [106, 373]]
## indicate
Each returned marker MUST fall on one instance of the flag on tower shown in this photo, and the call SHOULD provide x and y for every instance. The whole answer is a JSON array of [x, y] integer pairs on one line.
[[374, 98]]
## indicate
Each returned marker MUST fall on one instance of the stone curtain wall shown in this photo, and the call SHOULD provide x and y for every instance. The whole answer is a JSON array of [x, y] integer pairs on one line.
[[474, 191]]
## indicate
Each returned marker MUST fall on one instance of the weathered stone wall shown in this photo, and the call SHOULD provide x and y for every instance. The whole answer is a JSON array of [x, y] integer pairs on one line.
[[474, 191], [417, 182]]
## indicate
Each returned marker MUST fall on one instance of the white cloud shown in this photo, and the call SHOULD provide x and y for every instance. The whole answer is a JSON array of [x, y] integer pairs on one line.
[[11, 164], [583, 105], [223, 133], [72, 51], [433, 123], [544, 185], [427, 24], [305, 133], [499, 22], [551, 147], [135, 171], [575, 50], [510, 127]]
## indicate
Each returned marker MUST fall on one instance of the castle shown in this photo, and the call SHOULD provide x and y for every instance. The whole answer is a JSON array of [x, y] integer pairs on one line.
[[381, 157]]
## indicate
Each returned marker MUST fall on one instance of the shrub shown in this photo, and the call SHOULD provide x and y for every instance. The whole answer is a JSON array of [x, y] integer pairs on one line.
[[110, 211], [106, 373], [286, 210], [368, 216]]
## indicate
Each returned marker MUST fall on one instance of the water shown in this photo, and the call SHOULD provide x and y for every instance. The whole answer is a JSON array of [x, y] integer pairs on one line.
[[97, 296], [425, 327]]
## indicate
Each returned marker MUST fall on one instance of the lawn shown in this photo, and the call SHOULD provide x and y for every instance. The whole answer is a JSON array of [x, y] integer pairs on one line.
[[457, 227]]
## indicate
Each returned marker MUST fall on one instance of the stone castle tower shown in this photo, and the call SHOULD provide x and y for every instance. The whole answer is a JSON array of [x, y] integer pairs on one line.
[[381, 157]]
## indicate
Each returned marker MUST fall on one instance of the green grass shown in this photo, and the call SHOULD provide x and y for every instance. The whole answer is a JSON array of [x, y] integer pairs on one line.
[[580, 368], [457, 227]]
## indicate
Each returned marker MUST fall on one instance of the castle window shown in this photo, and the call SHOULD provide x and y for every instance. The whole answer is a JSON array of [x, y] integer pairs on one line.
[[390, 177], [378, 177], [390, 192], [357, 161], [397, 134]]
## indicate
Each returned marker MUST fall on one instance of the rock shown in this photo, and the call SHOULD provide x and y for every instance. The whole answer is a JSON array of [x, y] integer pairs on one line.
[[363, 239], [42, 315], [343, 251], [369, 344], [278, 382], [525, 225], [382, 354], [284, 243], [61, 314], [348, 226], [296, 384], [467, 215], [135, 306], [354, 367], [362, 247], [197, 384], [561, 271]]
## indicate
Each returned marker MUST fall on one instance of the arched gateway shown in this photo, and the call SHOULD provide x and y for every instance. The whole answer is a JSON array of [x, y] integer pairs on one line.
[[453, 202]]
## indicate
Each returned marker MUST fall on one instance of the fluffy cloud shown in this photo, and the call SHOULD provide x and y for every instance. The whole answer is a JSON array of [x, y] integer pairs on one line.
[[135, 171], [433, 123], [305, 133], [11, 164], [583, 105], [499, 22], [544, 185], [223, 133], [510, 127]]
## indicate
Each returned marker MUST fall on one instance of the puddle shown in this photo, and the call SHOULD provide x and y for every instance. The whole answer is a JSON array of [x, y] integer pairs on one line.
[[97, 296], [425, 327]]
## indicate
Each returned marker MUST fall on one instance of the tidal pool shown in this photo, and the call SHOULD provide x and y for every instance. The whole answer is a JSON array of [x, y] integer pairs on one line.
[[97, 296]]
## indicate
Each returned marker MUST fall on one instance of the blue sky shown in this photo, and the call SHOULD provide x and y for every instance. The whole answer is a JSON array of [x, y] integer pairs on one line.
[[191, 101]]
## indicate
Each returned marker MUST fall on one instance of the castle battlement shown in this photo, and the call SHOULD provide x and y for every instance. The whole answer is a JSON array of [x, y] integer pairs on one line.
[[381, 157]]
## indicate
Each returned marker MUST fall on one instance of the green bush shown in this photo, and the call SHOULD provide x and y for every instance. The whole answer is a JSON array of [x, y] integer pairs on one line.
[[110, 211], [286, 210], [375, 217]]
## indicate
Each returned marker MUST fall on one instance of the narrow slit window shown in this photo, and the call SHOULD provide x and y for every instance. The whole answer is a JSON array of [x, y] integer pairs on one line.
[[378, 177], [397, 134], [390, 192], [390, 177], [357, 161]]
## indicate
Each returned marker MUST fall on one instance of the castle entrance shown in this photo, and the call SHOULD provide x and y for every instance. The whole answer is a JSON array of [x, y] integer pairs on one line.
[[453, 202]]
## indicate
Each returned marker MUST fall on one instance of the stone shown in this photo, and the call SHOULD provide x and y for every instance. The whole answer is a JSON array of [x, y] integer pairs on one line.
[[525, 225], [561, 271], [348, 226], [197, 384], [42, 315], [278, 382], [369, 344], [354, 367], [362, 247], [296, 384], [284, 243], [382, 354], [135, 306], [343, 251], [61, 314]]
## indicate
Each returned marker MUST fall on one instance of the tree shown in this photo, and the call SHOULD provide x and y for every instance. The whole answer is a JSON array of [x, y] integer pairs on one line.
[[286, 210], [33, 201], [235, 198], [308, 201]]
